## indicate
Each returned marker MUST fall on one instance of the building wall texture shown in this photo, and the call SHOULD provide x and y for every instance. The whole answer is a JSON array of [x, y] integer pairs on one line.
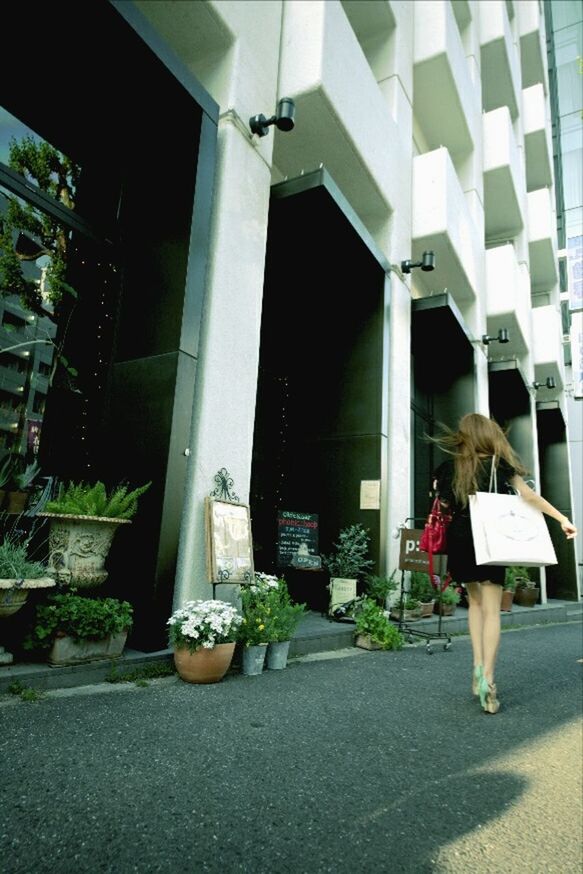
[[433, 118]]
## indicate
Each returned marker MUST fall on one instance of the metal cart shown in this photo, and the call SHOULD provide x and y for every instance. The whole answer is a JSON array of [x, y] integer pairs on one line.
[[411, 558]]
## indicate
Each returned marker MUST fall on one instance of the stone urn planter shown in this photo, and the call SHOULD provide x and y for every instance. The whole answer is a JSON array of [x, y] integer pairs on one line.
[[79, 546], [13, 593]]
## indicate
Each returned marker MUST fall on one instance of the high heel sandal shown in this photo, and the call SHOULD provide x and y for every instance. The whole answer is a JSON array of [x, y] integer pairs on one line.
[[491, 703], [476, 679]]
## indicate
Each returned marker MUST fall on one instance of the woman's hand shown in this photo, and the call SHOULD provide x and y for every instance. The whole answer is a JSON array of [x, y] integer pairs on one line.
[[569, 529]]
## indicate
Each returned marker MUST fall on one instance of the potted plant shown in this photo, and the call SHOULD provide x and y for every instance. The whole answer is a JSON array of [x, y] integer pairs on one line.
[[203, 634], [374, 629], [380, 588], [526, 590], [254, 629], [508, 590], [411, 610], [422, 590], [282, 619], [18, 574], [83, 520], [76, 629], [445, 602], [347, 563]]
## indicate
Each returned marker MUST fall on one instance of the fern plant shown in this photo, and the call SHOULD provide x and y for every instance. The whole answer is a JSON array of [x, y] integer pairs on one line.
[[85, 499]]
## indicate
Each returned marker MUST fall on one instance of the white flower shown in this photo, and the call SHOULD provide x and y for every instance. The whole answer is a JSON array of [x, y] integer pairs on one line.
[[203, 623]]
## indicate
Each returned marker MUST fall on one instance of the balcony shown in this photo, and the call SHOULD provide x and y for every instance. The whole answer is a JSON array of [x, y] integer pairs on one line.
[[531, 27], [508, 300], [542, 240], [537, 140], [346, 123], [500, 71], [547, 350], [502, 176], [443, 92], [442, 222]]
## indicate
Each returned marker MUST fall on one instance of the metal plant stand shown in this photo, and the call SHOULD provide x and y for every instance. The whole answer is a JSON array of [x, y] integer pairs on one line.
[[412, 559]]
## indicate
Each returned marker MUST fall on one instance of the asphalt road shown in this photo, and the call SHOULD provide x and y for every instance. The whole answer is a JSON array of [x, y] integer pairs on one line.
[[365, 761]]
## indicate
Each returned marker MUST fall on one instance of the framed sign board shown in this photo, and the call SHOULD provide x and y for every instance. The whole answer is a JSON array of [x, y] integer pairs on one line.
[[297, 539], [411, 558], [229, 542]]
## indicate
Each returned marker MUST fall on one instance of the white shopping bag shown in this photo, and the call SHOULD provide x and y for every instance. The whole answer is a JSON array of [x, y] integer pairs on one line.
[[507, 530]]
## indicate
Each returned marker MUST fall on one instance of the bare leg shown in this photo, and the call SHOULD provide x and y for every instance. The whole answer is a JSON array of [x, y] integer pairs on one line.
[[476, 622], [491, 600]]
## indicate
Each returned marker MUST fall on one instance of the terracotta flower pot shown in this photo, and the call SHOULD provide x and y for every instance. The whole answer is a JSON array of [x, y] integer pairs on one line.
[[204, 665], [507, 598]]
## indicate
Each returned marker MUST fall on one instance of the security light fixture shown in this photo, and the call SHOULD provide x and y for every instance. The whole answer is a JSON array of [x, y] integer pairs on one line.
[[503, 336], [284, 118], [427, 263], [548, 383]]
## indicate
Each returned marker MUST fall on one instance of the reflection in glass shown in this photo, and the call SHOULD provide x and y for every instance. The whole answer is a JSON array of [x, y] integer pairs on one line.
[[27, 325]]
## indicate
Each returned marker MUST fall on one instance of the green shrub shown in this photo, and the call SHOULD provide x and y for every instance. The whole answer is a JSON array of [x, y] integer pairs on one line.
[[378, 588], [85, 499], [372, 619], [78, 617]]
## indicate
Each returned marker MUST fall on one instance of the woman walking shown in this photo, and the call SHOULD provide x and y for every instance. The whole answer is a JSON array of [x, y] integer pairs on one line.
[[477, 441]]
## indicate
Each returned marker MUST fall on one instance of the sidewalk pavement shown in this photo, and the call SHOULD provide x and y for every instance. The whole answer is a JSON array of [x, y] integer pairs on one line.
[[316, 634]]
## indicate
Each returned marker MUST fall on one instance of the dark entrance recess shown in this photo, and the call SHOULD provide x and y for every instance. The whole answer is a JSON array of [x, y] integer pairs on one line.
[[510, 406], [442, 373], [319, 401], [554, 466], [144, 134]]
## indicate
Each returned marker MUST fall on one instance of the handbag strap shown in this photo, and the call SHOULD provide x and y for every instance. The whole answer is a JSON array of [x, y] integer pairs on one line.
[[493, 476]]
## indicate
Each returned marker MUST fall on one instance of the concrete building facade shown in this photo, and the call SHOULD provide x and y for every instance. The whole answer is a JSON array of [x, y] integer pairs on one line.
[[308, 361]]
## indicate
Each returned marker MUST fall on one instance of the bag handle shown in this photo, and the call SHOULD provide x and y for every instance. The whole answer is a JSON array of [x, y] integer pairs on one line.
[[493, 476]]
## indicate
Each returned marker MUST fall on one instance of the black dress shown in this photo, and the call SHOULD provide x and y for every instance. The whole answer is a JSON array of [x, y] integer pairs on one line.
[[461, 558]]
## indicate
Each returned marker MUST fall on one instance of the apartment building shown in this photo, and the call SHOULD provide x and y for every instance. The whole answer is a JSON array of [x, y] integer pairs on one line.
[[292, 304]]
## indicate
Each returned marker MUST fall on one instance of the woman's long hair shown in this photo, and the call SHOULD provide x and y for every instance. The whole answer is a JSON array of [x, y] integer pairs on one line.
[[476, 439]]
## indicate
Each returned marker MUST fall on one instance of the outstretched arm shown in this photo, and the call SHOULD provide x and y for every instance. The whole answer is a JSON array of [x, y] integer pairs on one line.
[[541, 504]]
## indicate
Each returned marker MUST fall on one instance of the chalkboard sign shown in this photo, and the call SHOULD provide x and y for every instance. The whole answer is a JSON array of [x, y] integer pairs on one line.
[[297, 534]]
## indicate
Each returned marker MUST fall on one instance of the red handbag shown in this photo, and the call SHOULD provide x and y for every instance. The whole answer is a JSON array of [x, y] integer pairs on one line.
[[434, 539]]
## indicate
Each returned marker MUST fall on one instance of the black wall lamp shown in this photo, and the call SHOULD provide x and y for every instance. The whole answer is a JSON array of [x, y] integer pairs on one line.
[[284, 118], [503, 336], [427, 263], [548, 383]]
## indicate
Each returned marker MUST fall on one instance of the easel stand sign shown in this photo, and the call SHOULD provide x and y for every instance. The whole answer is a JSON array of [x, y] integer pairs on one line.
[[411, 558], [229, 542]]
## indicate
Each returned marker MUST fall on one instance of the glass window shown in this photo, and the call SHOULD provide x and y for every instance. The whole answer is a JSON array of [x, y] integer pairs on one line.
[[565, 13], [568, 52]]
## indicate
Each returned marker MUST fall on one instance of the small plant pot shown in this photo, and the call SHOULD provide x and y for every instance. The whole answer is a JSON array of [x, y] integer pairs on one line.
[[507, 598], [444, 609], [364, 641], [426, 609], [277, 653], [526, 597], [254, 659]]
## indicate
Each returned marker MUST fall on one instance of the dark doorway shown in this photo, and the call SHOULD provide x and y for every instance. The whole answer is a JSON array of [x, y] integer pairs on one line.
[[443, 384], [318, 430], [114, 100], [554, 471]]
